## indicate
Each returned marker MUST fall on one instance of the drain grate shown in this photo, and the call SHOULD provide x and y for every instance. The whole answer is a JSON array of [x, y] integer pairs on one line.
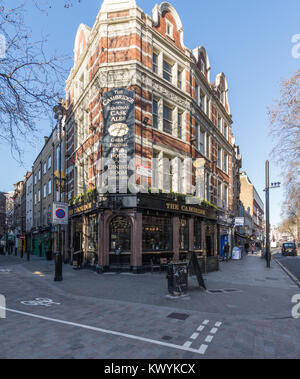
[[179, 316], [167, 338]]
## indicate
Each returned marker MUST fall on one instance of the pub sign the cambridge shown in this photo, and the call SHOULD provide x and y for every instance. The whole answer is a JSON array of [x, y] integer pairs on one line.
[[118, 136]]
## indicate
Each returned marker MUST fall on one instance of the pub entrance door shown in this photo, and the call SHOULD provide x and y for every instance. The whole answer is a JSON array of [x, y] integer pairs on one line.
[[78, 235], [120, 243]]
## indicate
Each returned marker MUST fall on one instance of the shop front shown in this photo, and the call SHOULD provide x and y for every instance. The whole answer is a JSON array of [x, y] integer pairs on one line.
[[225, 232], [143, 230]]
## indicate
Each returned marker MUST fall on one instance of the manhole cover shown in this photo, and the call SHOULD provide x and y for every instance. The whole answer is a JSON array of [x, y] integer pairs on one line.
[[179, 316]]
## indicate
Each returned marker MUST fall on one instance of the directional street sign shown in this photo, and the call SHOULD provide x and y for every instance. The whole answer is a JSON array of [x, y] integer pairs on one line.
[[60, 214]]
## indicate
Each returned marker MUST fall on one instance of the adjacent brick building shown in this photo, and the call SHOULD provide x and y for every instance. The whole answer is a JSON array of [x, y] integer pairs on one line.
[[179, 113], [45, 191], [254, 206]]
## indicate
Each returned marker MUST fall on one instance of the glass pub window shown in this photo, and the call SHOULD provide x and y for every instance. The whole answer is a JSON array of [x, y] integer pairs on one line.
[[168, 119], [155, 114], [197, 235], [167, 71], [157, 233], [120, 234], [92, 233]]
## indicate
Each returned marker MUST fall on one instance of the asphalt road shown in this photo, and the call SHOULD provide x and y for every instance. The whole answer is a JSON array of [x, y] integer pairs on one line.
[[290, 263]]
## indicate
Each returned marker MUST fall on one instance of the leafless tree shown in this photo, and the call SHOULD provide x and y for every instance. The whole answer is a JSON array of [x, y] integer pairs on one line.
[[30, 80], [289, 227], [285, 128]]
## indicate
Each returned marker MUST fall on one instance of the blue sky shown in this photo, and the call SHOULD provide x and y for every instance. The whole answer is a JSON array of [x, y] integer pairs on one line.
[[250, 41]]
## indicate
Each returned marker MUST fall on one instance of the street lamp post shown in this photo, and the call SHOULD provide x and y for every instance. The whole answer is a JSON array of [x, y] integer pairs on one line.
[[59, 113], [267, 191]]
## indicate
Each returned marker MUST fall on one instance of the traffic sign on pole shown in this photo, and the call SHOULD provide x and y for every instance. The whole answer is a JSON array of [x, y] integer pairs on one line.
[[60, 215]]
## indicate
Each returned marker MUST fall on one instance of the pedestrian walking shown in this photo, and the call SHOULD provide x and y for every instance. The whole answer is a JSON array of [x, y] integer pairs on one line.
[[252, 248], [226, 252]]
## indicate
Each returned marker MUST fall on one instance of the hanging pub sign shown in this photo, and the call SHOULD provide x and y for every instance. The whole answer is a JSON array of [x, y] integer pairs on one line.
[[118, 137]]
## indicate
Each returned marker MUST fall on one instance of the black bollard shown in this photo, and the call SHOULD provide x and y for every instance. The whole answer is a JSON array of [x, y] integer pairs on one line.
[[58, 267], [28, 255]]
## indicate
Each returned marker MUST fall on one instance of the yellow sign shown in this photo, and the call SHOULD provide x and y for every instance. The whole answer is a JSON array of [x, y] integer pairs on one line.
[[80, 209], [185, 208]]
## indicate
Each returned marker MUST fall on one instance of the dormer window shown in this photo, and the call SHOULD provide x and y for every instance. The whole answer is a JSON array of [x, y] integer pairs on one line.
[[169, 29]]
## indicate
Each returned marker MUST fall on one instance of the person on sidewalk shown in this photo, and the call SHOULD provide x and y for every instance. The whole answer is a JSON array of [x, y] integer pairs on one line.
[[226, 252]]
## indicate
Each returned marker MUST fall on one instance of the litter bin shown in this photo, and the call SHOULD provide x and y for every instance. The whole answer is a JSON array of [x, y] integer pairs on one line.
[[77, 260], [177, 275]]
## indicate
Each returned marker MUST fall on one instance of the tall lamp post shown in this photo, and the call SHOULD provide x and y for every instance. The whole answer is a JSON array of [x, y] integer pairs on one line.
[[267, 191], [59, 111]]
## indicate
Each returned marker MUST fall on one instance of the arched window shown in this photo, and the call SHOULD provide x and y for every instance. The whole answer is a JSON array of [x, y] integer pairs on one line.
[[120, 234]]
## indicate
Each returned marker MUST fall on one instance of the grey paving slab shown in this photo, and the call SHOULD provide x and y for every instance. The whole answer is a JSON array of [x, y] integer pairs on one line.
[[256, 322]]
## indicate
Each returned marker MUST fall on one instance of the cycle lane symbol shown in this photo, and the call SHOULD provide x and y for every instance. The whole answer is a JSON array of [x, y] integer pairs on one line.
[[40, 302]]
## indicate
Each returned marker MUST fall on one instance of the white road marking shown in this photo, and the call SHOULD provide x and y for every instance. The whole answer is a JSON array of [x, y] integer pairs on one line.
[[218, 324], [205, 322], [213, 331], [209, 339], [188, 344], [201, 327], [201, 351], [194, 336]]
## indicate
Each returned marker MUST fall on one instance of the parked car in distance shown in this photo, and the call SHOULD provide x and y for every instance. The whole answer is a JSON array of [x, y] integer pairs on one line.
[[289, 248]]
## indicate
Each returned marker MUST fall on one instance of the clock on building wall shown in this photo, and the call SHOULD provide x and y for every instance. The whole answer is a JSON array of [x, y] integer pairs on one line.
[[118, 130]]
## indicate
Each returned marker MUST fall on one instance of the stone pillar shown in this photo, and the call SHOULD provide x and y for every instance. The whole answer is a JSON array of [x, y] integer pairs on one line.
[[71, 247], [137, 243], [101, 260], [176, 237], [191, 233], [84, 236], [105, 244], [215, 242], [203, 237]]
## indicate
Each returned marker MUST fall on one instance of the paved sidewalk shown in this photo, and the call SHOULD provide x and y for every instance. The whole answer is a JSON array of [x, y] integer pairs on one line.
[[251, 320]]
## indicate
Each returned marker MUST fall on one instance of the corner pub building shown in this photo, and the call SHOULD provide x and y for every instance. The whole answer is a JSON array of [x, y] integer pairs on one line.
[[170, 112]]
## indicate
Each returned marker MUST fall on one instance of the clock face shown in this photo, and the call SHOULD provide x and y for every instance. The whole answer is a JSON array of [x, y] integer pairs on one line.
[[118, 130]]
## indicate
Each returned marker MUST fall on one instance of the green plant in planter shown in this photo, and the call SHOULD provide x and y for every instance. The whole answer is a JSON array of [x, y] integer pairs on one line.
[[71, 201]]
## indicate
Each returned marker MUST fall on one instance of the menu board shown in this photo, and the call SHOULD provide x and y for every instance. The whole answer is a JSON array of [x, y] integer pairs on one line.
[[118, 136]]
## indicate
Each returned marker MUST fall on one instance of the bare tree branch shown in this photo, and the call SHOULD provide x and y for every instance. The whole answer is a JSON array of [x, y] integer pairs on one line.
[[285, 128], [30, 80]]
